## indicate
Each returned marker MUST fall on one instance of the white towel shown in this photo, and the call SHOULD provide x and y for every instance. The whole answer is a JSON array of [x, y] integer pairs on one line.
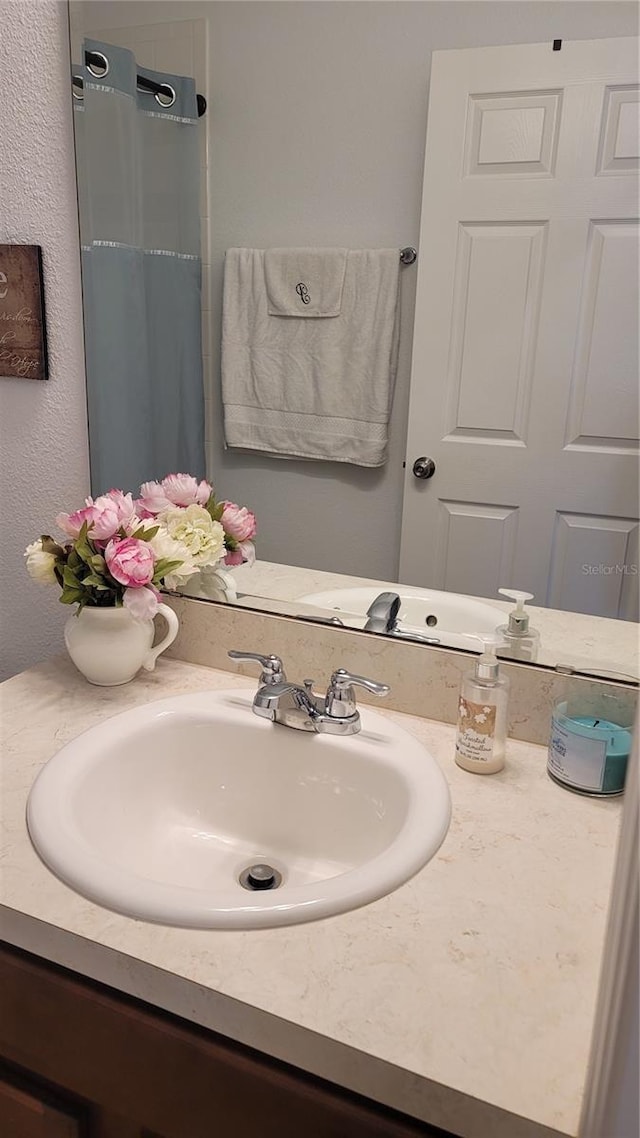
[[319, 389], [304, 282]]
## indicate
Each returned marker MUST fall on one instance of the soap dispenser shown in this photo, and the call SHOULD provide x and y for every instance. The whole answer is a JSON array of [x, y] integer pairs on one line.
[[482, 714], [520, 641]]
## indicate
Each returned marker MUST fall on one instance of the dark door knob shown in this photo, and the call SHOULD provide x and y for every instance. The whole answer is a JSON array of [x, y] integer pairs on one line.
[[424, 467]]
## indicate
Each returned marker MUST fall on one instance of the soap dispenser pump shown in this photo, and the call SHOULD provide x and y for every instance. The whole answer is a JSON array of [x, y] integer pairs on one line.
[[482, 714], [520, 641]]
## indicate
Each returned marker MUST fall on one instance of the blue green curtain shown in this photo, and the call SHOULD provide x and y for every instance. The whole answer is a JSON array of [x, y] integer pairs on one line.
[[138, 188]]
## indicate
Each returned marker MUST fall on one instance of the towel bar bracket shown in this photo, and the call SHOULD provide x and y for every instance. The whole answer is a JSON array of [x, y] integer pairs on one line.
[[408, 255]]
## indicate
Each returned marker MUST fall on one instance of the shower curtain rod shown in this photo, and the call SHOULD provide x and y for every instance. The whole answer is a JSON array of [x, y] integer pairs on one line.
[[97, 59]]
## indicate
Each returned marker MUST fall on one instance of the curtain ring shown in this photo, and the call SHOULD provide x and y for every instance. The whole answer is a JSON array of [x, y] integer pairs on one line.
[[95, 57], [171, 96]]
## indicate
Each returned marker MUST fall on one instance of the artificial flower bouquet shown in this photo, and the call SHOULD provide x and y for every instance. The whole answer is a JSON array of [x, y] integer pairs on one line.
[[123, 550]]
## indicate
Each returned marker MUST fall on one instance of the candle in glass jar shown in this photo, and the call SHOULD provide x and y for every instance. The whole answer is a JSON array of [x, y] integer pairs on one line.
[[587, 753]]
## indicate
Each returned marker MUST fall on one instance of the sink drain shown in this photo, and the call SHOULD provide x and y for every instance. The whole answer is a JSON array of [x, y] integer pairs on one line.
[[260, 876], [431, 620]]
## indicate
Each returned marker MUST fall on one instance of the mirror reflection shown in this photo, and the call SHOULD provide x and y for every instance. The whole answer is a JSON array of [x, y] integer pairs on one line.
[[509, 459]]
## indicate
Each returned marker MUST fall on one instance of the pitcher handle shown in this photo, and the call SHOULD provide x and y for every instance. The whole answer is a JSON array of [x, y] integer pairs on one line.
[[149, 661]]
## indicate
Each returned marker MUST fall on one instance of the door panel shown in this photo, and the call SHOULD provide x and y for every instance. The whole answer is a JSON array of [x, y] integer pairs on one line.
[[476, 526], [590, 555], [604, 383], [524, 385], [498, 277]]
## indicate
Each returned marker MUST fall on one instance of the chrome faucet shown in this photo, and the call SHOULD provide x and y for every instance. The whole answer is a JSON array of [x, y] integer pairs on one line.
[[296, 705], [383, 617], [383, 613]]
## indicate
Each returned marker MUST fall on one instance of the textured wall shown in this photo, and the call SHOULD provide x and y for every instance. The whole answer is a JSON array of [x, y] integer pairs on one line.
[[43, 433]]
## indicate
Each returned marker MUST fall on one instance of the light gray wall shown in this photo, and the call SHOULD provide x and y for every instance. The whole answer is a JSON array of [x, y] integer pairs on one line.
[[317, 122], [43, 433]]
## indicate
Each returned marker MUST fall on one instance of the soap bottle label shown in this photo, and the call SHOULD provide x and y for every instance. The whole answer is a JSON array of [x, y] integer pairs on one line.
[[476, 730]]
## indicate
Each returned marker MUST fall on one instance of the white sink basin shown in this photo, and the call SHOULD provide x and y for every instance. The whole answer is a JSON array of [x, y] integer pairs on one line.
[[156, 812], [454, 620]]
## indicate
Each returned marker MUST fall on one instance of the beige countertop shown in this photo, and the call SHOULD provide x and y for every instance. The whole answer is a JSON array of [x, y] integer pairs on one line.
[[465, 998]]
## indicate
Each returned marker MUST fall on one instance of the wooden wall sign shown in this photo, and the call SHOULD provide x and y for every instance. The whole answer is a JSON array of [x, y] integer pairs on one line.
[[23, 346]]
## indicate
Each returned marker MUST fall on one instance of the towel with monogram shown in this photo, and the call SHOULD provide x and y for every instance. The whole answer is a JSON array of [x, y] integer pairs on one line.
[[305, 384]]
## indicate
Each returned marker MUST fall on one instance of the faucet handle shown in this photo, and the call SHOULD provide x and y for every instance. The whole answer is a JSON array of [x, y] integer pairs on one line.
[[341, 698], [272, 667]]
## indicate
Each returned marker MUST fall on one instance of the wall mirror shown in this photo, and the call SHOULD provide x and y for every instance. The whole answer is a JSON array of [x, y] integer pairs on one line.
[[518, 344]]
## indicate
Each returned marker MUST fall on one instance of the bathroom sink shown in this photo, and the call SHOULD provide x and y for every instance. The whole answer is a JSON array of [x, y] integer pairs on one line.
[[159, 811], [456, 621]]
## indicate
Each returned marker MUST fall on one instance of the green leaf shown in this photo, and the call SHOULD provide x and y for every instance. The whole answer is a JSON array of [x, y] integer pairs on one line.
[[72, 596], [82, 545], [51, 546], [98, 563], [163, 566], [94, 581], [215, 510], [70, 578], [143, 534]]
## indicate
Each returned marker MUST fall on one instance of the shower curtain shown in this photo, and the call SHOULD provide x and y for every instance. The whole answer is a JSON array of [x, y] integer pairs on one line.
[[138, 191]]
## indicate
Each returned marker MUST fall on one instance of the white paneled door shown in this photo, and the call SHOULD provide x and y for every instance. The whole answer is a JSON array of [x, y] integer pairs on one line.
[[524, 388]]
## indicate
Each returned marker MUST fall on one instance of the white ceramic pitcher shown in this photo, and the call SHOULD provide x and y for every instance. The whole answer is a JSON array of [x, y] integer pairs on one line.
[[109, 646]]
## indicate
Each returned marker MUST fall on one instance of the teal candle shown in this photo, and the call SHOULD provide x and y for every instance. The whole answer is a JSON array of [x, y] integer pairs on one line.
[[587, 753]]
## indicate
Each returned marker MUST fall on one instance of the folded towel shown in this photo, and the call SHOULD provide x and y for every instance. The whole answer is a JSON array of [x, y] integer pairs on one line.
[[304, 282], [319, 389]]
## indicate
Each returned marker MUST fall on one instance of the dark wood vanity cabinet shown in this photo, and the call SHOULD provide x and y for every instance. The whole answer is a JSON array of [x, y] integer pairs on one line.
[[79, 1060], [27, 1111]]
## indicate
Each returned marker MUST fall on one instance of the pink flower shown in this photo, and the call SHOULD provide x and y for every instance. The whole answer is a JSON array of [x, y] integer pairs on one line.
[[174, 490], [130, 561], [124, 506], [244, 552], [185, 490], [142, 513], [71, 524], [238, 522], [141, 603], [248, 551], [152, 500], [103, 518]]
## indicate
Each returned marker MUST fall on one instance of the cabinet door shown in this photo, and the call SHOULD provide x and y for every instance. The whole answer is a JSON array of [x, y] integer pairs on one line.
[[146, 1073], [24, 1114]]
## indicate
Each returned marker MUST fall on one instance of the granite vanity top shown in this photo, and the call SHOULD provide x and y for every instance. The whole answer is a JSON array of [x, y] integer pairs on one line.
[[466, 998]]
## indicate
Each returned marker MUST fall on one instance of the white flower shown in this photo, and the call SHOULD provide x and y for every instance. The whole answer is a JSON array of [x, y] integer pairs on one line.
[[40, 565], [166, 547], [194, 528]]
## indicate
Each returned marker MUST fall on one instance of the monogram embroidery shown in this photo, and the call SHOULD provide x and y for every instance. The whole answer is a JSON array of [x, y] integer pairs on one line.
[[303, 293]]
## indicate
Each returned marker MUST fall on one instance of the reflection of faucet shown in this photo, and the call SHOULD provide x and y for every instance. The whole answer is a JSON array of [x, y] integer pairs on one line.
[[383, 613], [295, 705], [383, 617]]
